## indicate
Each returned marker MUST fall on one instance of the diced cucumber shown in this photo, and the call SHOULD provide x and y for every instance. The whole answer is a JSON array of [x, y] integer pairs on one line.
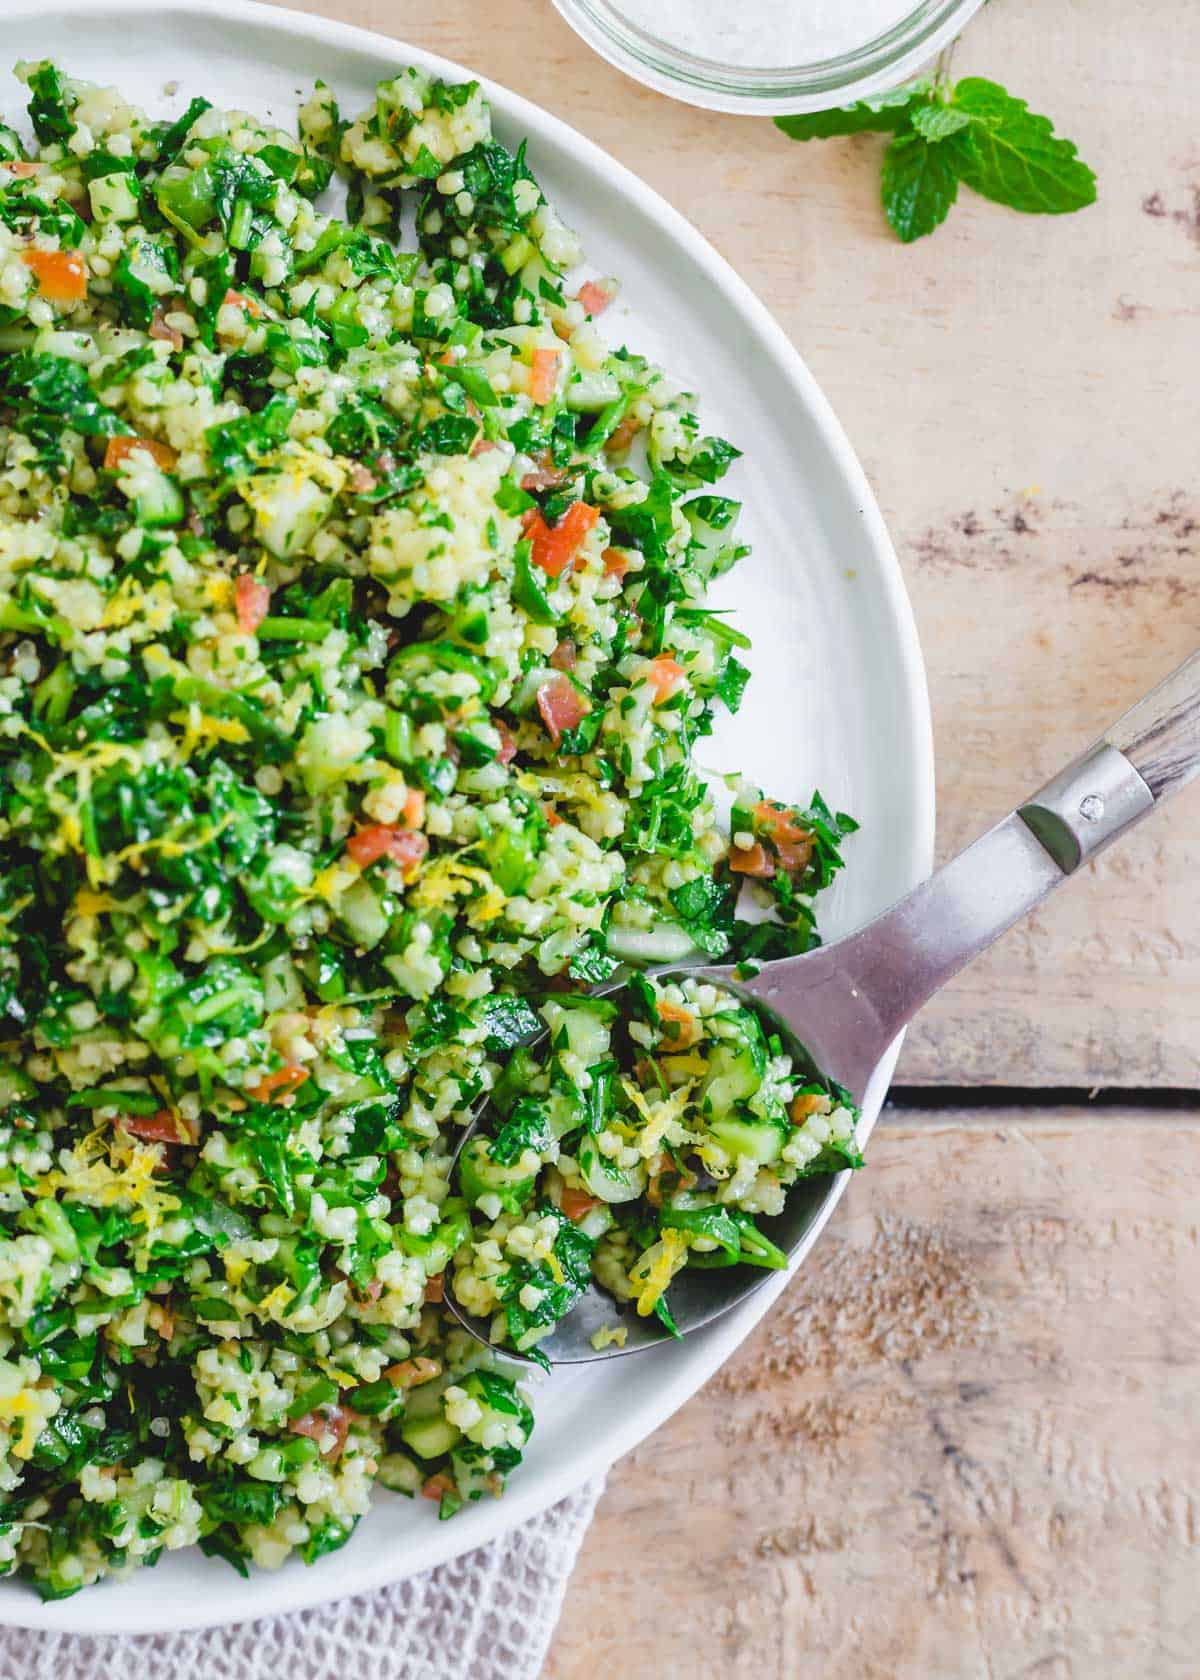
[[479, 1175], [510, 856], [114, 198], [159, 500], [667, 942], [437, 1247], [588, 393], [281, 984], [429, 1437], [516, 252], [363, 913], [421, 659], [586, 1029], [472, 1475], [760, 1140], [398, 736], [289, 509], [47, 1216], [71, 346], [514, 1081], [713, 519], [564, 1112], [470, 624], [732, 1077], [399, 1474], [606, 1180], [525, 698], [15, 1084]]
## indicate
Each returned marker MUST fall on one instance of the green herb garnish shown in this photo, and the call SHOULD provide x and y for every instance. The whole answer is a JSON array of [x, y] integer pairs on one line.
[[972, 131]]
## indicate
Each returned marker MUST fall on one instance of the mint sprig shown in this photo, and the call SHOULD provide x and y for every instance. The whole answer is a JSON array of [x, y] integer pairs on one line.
[[974, 133]]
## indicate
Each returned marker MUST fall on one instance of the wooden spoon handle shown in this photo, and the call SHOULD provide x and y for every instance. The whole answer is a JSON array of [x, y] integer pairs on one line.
[[1160, 735]]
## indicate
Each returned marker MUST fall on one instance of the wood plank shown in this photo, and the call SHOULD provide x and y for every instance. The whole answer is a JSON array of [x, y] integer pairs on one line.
[[963, 1446], [1020, 390]]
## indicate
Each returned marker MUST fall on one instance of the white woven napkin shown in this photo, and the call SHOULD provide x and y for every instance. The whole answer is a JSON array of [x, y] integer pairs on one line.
[[487, 1615]]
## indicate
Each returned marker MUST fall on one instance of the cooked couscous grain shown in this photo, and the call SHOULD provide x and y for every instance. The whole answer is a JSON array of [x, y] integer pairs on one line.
[[353, 649]]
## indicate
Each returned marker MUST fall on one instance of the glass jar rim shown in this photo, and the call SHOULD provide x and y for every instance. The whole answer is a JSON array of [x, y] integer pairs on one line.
[[882, 62]]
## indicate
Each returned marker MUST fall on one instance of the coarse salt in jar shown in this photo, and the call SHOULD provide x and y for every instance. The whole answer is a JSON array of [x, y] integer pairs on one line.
[[768, 57]]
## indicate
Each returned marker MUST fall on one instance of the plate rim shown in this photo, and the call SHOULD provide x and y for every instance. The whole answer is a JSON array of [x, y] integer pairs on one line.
[[292, 1590]]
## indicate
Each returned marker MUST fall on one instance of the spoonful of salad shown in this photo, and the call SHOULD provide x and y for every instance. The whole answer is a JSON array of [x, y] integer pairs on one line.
[[658, 1146]]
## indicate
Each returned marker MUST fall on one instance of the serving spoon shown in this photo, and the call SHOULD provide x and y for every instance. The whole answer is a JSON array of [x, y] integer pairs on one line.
[[844, 1004]]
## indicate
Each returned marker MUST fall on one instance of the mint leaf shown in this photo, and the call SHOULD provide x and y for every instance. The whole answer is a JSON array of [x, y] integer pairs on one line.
[[935, 122], [920, 183], [1015, 157], [882, 115]]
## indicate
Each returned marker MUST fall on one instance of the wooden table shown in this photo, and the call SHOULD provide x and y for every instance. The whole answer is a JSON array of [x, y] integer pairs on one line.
[[967, 1443]]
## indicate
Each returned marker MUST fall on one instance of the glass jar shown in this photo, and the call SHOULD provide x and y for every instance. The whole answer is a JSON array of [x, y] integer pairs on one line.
[[619, 33]]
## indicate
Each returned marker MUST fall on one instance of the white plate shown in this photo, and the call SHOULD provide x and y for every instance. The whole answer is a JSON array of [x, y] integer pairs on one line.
[[838, 700]]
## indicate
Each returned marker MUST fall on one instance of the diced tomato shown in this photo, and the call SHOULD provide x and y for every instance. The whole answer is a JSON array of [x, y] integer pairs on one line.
[[681, 1027], [241, 301], [411, 1373], [119, 449], [253, 600], [791, 840], [556, 546], [362, 479], [666, 677], [333, 1420], [545, 476], [280, 1084], [616, 562], [438, 1486], [562, 706], [508, 745], [577, 1204], [163, 1127], [623, 434], [552, 816], [435, 1288], [806, 1105], [751, 860], [61, 275], [414, 808], [159, 329], [482, 445], [565, 656], [21, 167], [403, 845], [594, 298], [543, 375]]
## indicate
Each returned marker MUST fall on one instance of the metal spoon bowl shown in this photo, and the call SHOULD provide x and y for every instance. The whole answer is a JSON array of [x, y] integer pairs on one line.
[[843, 1005]]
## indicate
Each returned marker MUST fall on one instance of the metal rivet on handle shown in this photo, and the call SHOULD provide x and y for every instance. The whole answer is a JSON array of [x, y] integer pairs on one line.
[[1091, 807]]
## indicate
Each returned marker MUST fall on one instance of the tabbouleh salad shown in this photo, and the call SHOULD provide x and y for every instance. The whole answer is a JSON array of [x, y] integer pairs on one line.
[[353, 651]]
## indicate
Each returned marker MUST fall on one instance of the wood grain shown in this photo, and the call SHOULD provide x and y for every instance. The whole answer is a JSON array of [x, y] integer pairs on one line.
[[964, 1445], [1021, 391]]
